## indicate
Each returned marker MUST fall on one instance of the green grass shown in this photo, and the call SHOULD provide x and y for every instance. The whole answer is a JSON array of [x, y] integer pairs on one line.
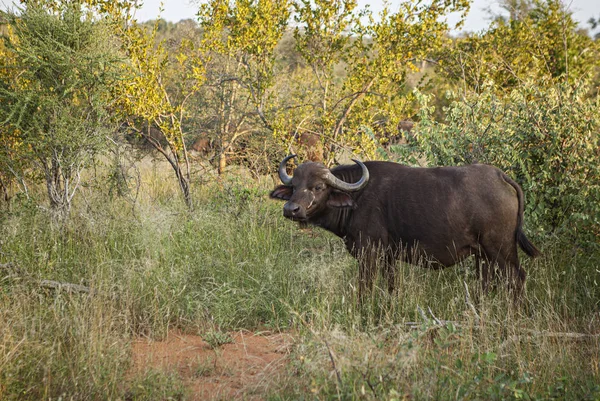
[[235, 263]]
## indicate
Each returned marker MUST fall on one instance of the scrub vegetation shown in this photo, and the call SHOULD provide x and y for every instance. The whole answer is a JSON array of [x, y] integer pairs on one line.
[[136, 161], [234, 263]]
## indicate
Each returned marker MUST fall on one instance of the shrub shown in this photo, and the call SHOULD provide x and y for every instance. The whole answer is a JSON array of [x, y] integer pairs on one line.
[[547, 138]]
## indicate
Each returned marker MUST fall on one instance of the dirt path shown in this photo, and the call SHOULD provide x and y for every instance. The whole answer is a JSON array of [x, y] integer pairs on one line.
[[245, 368]]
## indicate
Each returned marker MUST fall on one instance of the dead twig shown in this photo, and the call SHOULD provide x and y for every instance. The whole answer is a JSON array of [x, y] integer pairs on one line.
[[438, 321], [333, 364], [468, 301], [423, 315], [434, 319], [68, 287], [536, 335]]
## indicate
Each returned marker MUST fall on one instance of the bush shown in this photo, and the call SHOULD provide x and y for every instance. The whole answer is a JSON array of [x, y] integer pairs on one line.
[[547, 138], [56, 112]]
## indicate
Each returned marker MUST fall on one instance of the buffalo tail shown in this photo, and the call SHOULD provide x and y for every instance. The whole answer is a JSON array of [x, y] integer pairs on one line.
[[526, 245], [522, 239]]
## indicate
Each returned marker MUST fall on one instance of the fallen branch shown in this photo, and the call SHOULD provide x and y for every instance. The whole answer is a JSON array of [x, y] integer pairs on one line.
[[535, 335], [332, 359], [68, 287], [438, 321], [428, 321], [423, 315], [13, 272]]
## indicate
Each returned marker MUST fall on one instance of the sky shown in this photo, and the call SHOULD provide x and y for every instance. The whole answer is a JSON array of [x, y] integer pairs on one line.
[[477, 20]]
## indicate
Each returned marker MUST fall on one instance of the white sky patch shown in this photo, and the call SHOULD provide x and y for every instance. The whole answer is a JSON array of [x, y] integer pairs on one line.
[[477, 20]]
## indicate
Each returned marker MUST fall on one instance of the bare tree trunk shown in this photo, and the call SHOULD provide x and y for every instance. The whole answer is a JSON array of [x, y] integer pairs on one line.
[[184, 184], [53, 185], [226, 147], [4, 188], [186, 191], [61, 184], [222, 162], [171, 155]]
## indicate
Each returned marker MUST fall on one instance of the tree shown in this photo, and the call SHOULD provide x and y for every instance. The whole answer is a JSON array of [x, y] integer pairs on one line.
[[594, 24], [155, 93], [517, 10], [540, 41], [356, 74], [10, 170], [55, 95], [239, 40]]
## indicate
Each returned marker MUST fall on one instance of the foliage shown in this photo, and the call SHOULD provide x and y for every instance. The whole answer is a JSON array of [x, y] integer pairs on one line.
[[101, 7], [391, 50], [594, 23], [540, 42], [355, 74], [153, 97], [547, 139], [216, 339], [240, 39], [55, 96]]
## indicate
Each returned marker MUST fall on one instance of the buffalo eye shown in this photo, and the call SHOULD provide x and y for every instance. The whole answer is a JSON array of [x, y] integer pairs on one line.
[[319, 187]]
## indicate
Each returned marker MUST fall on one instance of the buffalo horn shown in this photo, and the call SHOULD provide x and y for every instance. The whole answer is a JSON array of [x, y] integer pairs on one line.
[[335, 182], [283, 176]]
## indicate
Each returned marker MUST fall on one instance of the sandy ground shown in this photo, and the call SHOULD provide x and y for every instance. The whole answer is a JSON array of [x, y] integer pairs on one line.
[[244, 369]]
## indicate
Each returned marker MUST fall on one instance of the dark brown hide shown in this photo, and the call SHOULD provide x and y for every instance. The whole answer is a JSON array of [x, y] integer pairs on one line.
[[405, 126], [201, 145], [310, 146], [388, 136], [435, 215], [141, 138]]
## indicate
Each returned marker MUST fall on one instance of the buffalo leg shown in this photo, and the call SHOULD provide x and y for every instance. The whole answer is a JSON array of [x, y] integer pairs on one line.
[[367, 260], [389, 271], [372, 255], [515, 274], [374, 258], [509, 268]]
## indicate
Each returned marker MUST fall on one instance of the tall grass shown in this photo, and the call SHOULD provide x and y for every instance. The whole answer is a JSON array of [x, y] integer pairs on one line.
[[234, 263]]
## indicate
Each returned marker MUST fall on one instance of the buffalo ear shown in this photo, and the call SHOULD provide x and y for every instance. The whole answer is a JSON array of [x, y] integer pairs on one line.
[[282, 192], [340, 199]]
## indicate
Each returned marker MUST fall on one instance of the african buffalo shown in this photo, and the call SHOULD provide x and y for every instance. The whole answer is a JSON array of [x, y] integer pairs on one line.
[[309, 145], [386, 211], [202, 145]]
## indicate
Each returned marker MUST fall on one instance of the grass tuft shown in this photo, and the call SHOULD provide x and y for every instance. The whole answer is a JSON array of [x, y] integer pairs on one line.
[[235, 263]]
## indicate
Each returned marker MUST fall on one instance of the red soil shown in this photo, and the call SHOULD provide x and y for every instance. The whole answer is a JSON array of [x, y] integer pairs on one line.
[[244, 369]]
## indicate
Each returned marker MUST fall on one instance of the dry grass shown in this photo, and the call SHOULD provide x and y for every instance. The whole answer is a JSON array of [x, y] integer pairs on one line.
[[234, 263]]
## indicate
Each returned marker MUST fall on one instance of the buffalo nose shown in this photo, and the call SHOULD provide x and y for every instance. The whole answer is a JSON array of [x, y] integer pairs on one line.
[[291, 209]]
